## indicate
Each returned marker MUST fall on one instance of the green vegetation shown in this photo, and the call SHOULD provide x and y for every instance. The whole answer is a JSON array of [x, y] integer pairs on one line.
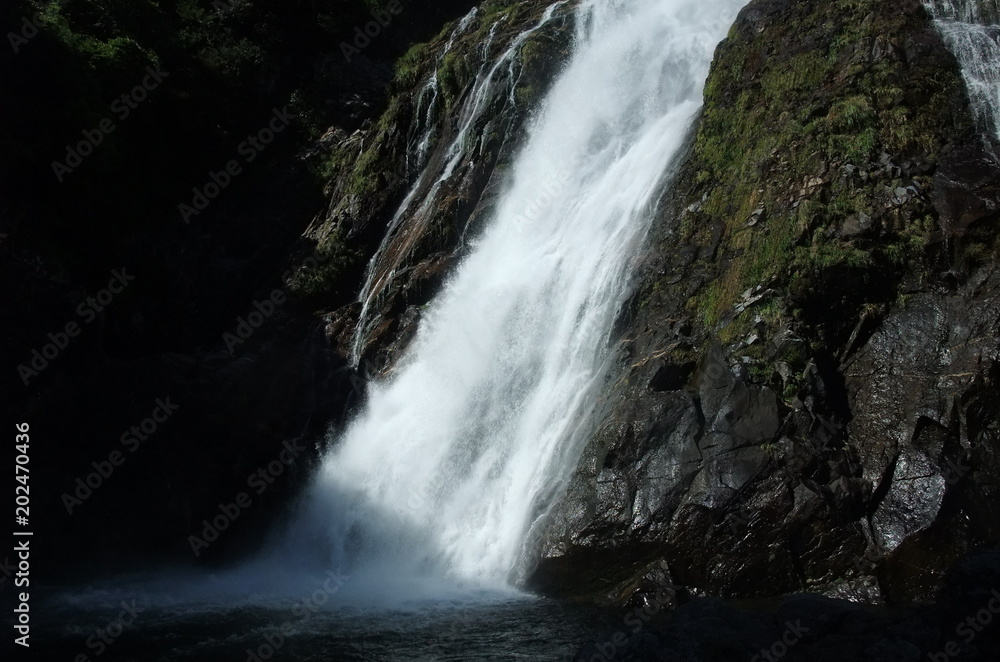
[[368, 170], [410, 66], [453, 74], [227, 69], [800, 134], [334, 259]]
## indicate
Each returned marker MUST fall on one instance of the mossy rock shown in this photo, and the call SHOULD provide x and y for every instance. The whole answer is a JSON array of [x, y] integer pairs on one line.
[[802, 137]]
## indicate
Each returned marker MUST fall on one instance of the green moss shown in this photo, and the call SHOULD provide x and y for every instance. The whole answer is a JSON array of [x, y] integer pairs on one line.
[[99, 51], [824, 256], [333, 259], [778, 123], [453, 74], [410, 66]]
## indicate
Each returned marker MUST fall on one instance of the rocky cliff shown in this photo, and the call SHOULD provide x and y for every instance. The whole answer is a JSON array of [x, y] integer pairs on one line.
[[296, 229], [411, 189], [804, 394], [179, 329], [803, 391]]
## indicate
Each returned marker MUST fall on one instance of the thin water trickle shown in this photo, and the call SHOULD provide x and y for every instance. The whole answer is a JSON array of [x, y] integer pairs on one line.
[[971, 28], [423, 194]]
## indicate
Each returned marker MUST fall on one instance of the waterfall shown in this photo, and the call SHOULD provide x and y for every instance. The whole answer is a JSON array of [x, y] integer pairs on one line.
[[971, 28], [422, 195], [466, 445]]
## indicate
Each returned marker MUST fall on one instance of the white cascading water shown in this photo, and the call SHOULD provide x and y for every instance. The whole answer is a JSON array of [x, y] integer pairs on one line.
[[971, 30], [423, 194], [440, 477]]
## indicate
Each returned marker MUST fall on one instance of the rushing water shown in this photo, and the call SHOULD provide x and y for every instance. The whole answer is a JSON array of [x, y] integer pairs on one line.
[[495, 78], [452, 461], [422, 507], [971, 29], [411, 541]]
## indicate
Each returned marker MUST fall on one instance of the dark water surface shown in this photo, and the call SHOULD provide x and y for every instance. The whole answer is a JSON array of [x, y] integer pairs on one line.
[[115, 627]]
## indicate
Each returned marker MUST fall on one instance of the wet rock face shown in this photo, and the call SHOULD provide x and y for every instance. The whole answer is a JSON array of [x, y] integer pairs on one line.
[[452, 94], [714, 479], [806, 391], [812, 627], [966, 189], [914, 388]]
